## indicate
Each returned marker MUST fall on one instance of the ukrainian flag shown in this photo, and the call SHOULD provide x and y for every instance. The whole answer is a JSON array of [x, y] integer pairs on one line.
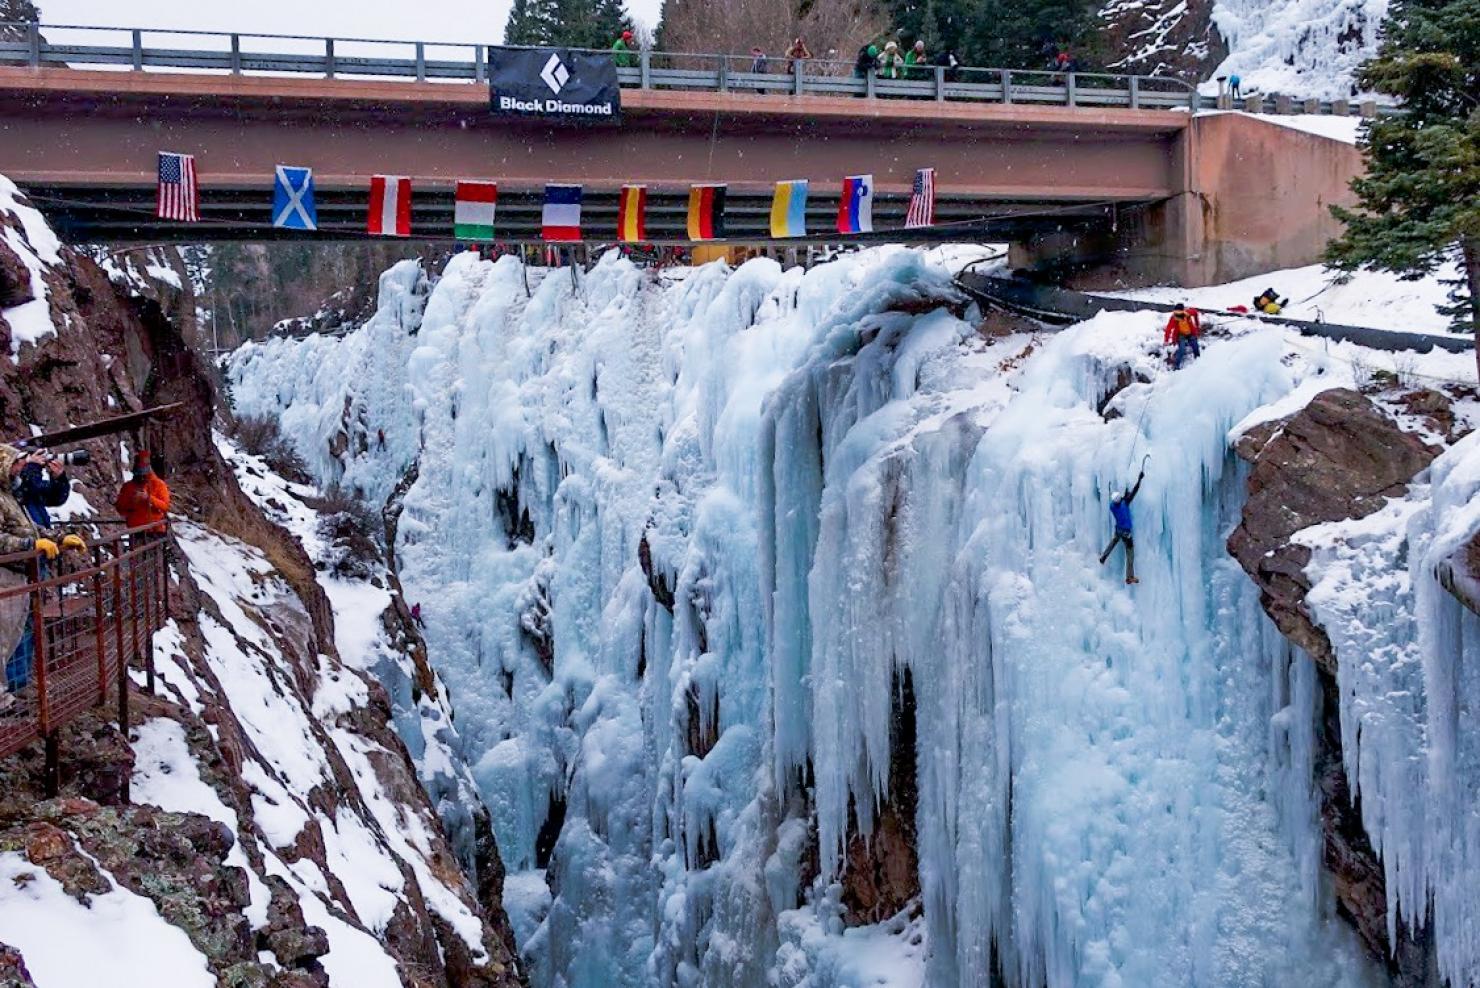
[[789, 210]]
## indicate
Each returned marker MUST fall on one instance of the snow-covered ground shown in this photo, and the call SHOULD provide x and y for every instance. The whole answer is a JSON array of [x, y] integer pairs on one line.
[[1320, 294], [832, 478]]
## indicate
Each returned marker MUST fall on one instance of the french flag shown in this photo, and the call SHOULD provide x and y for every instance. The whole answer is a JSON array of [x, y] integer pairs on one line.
[[562, 216], [390, 206], [856, 210]]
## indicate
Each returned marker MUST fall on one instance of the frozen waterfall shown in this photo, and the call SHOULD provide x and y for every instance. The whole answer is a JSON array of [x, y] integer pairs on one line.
[[677, 538]]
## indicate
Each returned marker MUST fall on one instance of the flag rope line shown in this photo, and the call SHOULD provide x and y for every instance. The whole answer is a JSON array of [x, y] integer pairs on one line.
[[821, 238]]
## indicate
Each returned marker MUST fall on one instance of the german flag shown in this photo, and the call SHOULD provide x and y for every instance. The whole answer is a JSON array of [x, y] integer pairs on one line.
[[707, 212], [632, 215]]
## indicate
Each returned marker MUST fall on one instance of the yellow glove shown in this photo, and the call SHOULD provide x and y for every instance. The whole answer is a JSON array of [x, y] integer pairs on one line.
[[74, 543], [48, 547]]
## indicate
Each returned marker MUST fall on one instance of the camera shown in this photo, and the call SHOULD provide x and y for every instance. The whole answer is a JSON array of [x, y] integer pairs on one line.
[[75, 458]]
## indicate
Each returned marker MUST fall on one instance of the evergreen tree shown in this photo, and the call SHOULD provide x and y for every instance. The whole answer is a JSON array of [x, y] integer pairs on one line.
[[1420, 197], [531, 22], [1018, 34], [567, 23]]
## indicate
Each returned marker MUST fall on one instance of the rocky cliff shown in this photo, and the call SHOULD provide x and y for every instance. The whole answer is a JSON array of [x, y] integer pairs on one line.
[[1338, 460], [262, 822]]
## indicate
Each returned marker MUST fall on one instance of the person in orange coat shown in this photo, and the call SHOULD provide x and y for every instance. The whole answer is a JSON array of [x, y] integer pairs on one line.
[[1183, 328], [144, 500]]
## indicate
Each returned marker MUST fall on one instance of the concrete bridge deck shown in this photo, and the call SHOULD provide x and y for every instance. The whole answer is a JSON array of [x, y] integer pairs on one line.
[[1165, 195]]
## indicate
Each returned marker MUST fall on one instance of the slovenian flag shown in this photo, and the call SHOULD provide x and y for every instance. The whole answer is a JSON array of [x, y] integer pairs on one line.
[[789, 210], [472, 217], [562, 216], [390, 206], [707, 212], [856, 211], [632, 215]]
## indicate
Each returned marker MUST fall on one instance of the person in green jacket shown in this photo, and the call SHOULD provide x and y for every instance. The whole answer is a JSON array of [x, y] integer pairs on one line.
[[916, 62], [891, 66], [623, 47]]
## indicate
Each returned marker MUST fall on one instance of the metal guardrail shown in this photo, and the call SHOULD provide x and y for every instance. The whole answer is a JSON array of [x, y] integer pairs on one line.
[[143, 49], [86, 624]]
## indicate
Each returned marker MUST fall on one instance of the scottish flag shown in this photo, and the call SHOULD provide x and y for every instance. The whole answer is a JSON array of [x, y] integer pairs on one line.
[[292, 199], [856, 209]]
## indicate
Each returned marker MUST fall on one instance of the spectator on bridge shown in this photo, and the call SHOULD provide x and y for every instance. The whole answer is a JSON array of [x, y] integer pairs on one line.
[[946, 59], [144, 501], [623, 48], [1184, 328], [758, 60], [798, 52], [868, 58], [915, 61], [1235, 87], [891, 63]]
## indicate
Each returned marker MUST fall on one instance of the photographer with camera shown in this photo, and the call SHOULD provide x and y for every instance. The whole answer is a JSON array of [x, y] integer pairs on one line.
[[19, 534], [40, 482]]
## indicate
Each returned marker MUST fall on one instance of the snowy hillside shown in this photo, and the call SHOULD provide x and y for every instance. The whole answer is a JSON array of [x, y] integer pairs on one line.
[[261, 823], [1299, 47], [728, 571]]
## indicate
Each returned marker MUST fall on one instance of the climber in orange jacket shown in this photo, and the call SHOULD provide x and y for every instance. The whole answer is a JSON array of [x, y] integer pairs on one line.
[[144, 500], [1183, 328]]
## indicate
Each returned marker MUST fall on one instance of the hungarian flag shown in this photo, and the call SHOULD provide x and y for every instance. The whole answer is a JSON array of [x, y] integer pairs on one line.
[[856, 210], [707, 212], [390, 206], [472, 217], [562, 216], [632, 215], [789, 210]]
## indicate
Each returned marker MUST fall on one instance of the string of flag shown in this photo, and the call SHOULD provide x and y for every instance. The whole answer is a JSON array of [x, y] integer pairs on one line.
[[388, 212]]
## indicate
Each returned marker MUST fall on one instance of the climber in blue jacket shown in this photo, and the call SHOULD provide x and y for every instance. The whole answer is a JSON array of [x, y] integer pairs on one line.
[[1120, 513]]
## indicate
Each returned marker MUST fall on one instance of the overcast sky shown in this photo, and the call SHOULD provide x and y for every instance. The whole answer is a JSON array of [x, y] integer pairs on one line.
[[428, 20]]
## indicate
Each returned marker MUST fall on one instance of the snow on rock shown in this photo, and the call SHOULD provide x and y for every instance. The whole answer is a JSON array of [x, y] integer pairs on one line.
[[28, 237], [676, 535], [69, 943]]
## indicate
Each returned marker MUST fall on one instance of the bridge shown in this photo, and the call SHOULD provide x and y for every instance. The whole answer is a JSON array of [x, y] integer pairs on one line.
[[1072, 168]]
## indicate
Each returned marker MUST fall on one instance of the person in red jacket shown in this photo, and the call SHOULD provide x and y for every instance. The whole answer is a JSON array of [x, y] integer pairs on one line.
[[145, 500], [1184, 328]]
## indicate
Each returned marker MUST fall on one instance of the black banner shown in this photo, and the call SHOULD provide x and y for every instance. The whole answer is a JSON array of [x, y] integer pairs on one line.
[[554, 84]]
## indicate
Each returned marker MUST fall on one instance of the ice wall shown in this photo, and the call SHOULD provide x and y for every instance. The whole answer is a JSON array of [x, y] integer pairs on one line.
[[1303, 48], [673, 535], [1406, 650]]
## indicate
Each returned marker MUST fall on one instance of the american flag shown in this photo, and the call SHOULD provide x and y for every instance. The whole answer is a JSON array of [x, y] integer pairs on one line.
[[179, 196], [922, 200]]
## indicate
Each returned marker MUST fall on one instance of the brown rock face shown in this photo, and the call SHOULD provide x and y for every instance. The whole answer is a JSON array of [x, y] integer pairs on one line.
[[1173, 38], [15, 279], [881, 874], [1341, 457]]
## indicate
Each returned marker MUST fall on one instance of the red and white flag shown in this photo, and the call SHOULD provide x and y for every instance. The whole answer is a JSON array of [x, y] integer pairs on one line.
[[922, 201], [179, 195], [390, 206]]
